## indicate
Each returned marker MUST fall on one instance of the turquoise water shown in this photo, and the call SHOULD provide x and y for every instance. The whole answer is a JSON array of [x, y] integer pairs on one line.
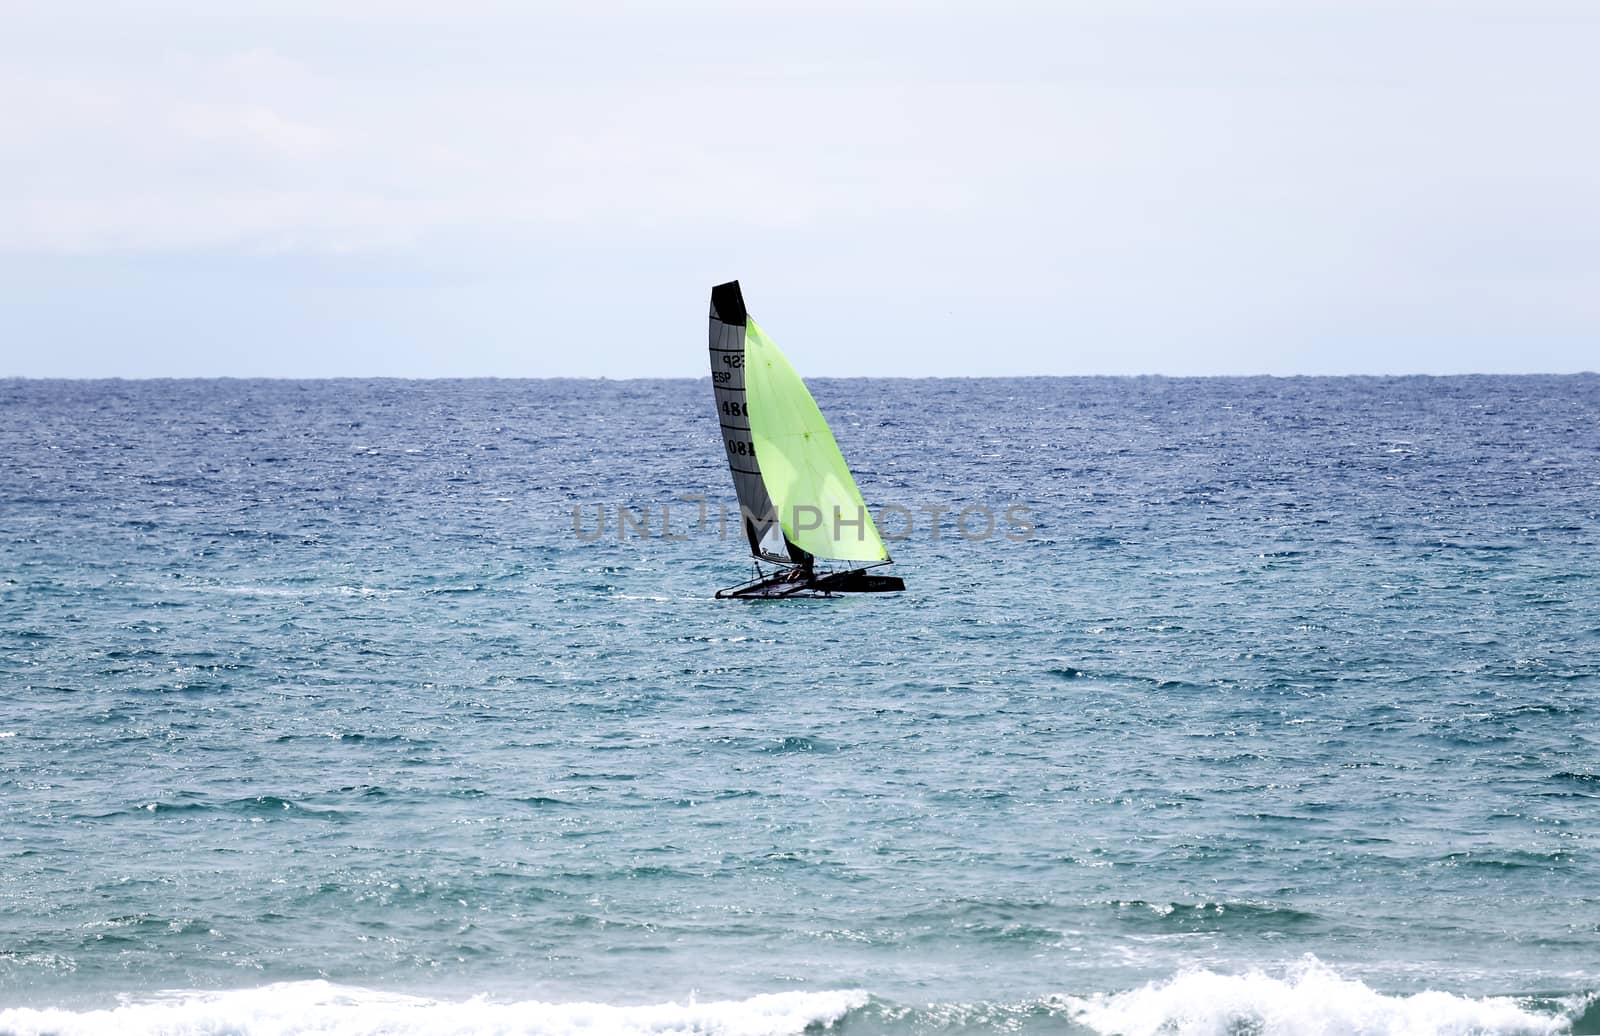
[[319, 713]]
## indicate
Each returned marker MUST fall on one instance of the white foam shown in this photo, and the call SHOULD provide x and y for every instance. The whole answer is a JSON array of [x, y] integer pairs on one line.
[[1309, 1000], [324, 1009], [302, 591]]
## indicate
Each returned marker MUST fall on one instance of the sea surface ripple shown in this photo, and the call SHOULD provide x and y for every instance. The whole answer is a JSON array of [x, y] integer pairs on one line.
[[312, 690]]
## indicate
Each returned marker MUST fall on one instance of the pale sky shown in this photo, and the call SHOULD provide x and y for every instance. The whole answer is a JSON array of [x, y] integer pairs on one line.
[[423, 188]]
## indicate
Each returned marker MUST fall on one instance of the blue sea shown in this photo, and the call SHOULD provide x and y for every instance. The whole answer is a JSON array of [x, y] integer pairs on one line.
[[344, 707]]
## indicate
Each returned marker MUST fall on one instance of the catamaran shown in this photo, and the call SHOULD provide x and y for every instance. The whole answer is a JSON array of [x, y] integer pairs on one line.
[[797, 499]]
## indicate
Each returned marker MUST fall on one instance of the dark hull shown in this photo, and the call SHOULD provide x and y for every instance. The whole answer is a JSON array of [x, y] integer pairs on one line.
[[828, 584]]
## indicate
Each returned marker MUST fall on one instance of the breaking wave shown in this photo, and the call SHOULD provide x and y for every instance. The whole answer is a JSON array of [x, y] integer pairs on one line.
[[294, 1008], [1311, 1000]]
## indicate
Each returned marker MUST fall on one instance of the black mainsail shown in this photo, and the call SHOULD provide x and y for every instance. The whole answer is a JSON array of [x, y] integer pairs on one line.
[[757, 516]]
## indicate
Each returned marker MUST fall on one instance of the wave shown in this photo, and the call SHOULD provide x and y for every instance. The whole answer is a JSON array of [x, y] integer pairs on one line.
[[325, 1009], [1216, 915], [1311, 999], [261, 806], [1308, 1000]]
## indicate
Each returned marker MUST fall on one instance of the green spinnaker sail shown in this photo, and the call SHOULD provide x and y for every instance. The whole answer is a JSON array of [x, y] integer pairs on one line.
[[816, 498]]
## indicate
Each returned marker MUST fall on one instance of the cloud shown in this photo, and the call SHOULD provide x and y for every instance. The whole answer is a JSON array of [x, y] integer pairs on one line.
[[1169, 181]]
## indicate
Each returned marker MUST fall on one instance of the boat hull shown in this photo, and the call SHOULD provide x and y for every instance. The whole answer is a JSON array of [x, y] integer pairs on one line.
[[830, 584]]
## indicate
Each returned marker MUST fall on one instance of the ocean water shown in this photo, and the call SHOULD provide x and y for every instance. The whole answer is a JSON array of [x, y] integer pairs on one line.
[[1276, 710]]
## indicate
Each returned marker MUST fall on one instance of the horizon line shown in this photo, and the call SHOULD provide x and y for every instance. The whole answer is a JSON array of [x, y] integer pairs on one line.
[[830, 377]]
